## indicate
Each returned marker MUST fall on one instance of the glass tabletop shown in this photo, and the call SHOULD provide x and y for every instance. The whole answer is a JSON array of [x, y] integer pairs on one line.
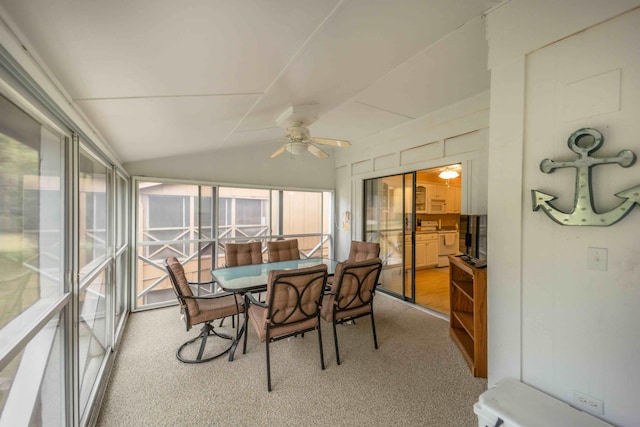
[[252, 277]]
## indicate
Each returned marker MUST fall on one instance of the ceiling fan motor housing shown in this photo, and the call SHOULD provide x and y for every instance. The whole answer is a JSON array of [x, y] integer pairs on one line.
[[298, 133]]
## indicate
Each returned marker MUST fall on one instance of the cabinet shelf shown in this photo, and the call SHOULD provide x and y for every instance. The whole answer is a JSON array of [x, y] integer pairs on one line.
[[465, 286], [468, 317], [466, 320], [464, 343]]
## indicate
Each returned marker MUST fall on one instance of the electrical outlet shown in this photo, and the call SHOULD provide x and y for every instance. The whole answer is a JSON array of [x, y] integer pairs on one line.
[[590, 404]]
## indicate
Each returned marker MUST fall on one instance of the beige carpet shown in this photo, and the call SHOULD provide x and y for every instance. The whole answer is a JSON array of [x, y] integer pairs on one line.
[[416, 378]]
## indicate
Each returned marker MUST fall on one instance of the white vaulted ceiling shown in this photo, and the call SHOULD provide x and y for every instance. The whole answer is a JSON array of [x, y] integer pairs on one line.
[[158, 78]]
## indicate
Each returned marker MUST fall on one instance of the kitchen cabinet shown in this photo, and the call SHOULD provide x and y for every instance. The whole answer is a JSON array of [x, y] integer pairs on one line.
[[421, 198], [457, 200], [432, 252], [443, 199], [436, 199], [407, 252], [421, 254], [437, 192], [426, 250]]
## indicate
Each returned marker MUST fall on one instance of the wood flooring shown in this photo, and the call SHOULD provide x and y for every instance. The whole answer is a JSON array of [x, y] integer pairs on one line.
[[432, 289]]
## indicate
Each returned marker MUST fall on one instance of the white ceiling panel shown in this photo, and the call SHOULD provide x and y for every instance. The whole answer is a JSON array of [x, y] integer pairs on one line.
[[367, 39], [265, 112], [127, 48], [354, 120], [159, 77], [447, 72], [258, 136], [144, 128]]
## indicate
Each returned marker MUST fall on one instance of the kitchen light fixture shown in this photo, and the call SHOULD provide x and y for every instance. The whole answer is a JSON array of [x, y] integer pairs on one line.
[[448, 174]]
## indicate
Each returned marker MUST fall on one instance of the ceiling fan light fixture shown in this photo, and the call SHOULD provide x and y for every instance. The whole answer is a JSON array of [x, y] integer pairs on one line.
[[296, 148], [448, 174], [296, 137]]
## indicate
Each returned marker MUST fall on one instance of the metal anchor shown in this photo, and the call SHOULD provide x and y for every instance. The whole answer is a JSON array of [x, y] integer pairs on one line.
[[583, 142]]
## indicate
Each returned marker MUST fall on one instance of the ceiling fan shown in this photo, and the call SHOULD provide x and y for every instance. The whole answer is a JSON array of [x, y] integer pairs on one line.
[[297, 141], [294, 120]]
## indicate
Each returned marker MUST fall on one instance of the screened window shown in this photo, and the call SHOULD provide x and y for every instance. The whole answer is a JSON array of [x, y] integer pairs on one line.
[[180, 220], [250, 211], [173, 220]]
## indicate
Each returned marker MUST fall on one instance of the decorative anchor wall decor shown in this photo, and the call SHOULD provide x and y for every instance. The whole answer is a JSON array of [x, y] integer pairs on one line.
[[585, 141]]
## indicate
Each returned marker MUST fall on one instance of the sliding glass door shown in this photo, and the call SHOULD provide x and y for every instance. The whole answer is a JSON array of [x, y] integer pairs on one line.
[[389, 220], [63, 246], [35, 299]]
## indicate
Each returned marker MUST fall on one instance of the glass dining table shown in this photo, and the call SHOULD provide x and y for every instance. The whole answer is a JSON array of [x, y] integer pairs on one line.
[[253, 278]]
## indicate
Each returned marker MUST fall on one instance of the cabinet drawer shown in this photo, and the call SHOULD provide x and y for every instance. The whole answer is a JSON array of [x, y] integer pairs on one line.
[[425, 237]]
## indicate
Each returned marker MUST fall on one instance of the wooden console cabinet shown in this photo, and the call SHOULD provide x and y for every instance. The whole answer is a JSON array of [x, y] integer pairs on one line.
[[468, 317]]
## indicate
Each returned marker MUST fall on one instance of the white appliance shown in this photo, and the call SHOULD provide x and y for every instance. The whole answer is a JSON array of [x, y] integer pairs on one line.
[[436, 206], [447, 245]]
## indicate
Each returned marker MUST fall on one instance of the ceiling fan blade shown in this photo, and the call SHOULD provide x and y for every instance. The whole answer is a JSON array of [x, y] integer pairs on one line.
[[317, 152], [279, 151], [332, 142]]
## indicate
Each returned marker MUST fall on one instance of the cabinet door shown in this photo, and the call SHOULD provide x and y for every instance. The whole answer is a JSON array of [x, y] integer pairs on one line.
[[448, 194], [436, 192], [421, 254], [457, 199], [421, 198], [407, 255], [448, 197], [432, 253]]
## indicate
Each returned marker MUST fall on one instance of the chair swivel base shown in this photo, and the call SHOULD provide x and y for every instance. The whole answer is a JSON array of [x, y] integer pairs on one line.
[[206, 331]]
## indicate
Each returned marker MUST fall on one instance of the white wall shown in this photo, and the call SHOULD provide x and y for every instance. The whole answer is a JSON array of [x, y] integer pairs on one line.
[[554, 323], [242, 166], [457, 133]]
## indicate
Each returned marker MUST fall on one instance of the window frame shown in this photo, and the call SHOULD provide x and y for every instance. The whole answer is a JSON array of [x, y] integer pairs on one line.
[[326, 233]]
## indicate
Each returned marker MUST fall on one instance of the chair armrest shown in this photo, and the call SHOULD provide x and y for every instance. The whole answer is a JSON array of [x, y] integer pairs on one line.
[[250, 298], [214, 296], [210, 282]]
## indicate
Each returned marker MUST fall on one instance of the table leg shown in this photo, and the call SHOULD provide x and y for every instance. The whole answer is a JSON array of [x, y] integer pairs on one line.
[[239, 329]]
